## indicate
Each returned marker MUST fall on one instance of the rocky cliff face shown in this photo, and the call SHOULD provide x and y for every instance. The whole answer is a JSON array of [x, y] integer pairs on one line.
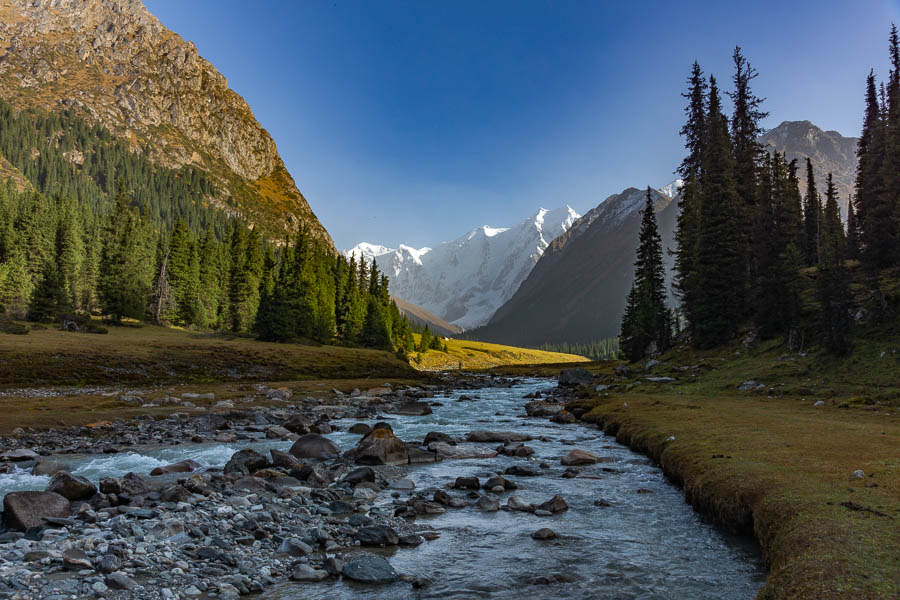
[[116, 64]]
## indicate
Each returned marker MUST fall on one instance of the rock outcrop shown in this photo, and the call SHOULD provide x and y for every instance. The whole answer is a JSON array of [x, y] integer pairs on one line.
[[116, 65]]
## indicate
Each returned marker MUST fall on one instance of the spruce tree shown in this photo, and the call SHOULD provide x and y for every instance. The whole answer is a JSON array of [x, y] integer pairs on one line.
[[646, 324], [720, 243], [833, 282], [852, 231], [890, 168], [873, 214], [812, 211], [425, 340], [50, 298], [747, 151], [694, 131]]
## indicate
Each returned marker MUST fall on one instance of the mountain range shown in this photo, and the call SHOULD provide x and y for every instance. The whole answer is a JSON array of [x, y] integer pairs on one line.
[[464, 281], [576, 291], [114, 64]]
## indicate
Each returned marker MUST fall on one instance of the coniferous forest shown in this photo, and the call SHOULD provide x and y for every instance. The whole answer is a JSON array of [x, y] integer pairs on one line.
[[111, 235], [748, 245]]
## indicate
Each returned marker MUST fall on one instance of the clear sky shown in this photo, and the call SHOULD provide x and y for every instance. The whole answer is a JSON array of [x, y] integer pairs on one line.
[[413, 122]]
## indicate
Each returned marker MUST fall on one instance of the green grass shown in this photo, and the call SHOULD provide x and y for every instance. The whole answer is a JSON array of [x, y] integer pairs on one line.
[[771, 464]]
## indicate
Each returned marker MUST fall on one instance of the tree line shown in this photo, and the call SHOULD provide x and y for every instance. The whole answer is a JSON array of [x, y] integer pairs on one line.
[[59, 257], [747, 240]]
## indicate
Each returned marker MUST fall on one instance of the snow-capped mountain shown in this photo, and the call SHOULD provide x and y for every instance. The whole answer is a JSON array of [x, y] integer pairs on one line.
[[464, 281], [672, 189]]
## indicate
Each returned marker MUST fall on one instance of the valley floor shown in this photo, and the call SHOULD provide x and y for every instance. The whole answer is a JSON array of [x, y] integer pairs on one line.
[[805, 456]]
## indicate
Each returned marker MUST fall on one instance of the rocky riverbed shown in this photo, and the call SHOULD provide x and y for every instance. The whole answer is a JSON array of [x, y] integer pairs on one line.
[[342, 492]]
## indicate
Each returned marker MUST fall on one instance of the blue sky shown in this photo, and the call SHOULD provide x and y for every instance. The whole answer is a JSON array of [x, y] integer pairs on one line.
[[413, 122]]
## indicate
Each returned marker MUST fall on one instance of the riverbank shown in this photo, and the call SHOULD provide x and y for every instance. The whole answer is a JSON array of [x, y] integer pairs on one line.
[[799, 451]]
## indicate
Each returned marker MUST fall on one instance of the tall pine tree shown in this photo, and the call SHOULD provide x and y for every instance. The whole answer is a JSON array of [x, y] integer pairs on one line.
[[832, 283], [646, 324]]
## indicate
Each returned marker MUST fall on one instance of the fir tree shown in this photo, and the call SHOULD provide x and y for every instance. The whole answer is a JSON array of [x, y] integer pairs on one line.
[[50, 298], [720, 258], [425, 340], [812, 211], [873, 215], [694, 131], [646, 323], [852, 231], [832, 283]]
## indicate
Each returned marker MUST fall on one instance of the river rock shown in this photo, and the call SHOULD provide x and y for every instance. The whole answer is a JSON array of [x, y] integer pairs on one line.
[[544, 533], [542, 409], [246, 461], [523, 470], [19, 455], [438, 436], [71, 487], [184, 466], [579, 457], [461, 451], [117, 580], [554, 505], [285, 460], [45, 466], [299, 424], [499, 480], [487, 504], [381, 447], [467, 483], [516, 503], [497, 436], [131, 484], [413, 409], [370, 569], [304, 572], [75, 559], [276, 432], [109, 563], [377, 535], [313, 445], [575, 377], [295, 547], [359, 429], [22, 510]]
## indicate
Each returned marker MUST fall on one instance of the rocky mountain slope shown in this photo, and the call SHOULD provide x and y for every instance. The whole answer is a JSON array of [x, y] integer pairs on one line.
[[118, 66], [829, 151], [577, 290], [464, 281]]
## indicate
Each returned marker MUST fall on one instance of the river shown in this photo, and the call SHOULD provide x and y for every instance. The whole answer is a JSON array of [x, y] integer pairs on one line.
[[645, 544]]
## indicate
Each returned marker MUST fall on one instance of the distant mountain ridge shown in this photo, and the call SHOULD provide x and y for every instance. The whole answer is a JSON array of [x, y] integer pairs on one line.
[[116, 65], [577, 290], [464, 281]]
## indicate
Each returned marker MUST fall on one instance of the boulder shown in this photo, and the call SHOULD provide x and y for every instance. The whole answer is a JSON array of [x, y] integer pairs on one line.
[[19, 455], [313, 445], [304, 572], [438, 436], [23, 510], [487, 504], [299, 424], [359, 429], [544, 533], [579, 457], [523, 470], [284, 460], [276, 432], [45, 467], [467, 483], [497, 436], [554, 505], [537, 408], [370, 569], [360, 475], [377, 535], [184, 466], [131, 484], [381, 447], [246, 461], [575, 377], [518, 504], [71, 487]]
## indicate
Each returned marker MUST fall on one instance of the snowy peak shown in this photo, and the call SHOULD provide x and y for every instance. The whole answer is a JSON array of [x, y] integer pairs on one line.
[[465, 280], [671, 190]]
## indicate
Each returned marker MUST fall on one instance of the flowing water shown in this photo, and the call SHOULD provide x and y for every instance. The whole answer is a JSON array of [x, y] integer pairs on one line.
[[644, 545]]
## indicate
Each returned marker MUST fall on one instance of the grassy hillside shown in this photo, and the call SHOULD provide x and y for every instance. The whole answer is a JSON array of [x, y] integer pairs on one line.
[[478, 356], [768, 461], [156, 355]]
